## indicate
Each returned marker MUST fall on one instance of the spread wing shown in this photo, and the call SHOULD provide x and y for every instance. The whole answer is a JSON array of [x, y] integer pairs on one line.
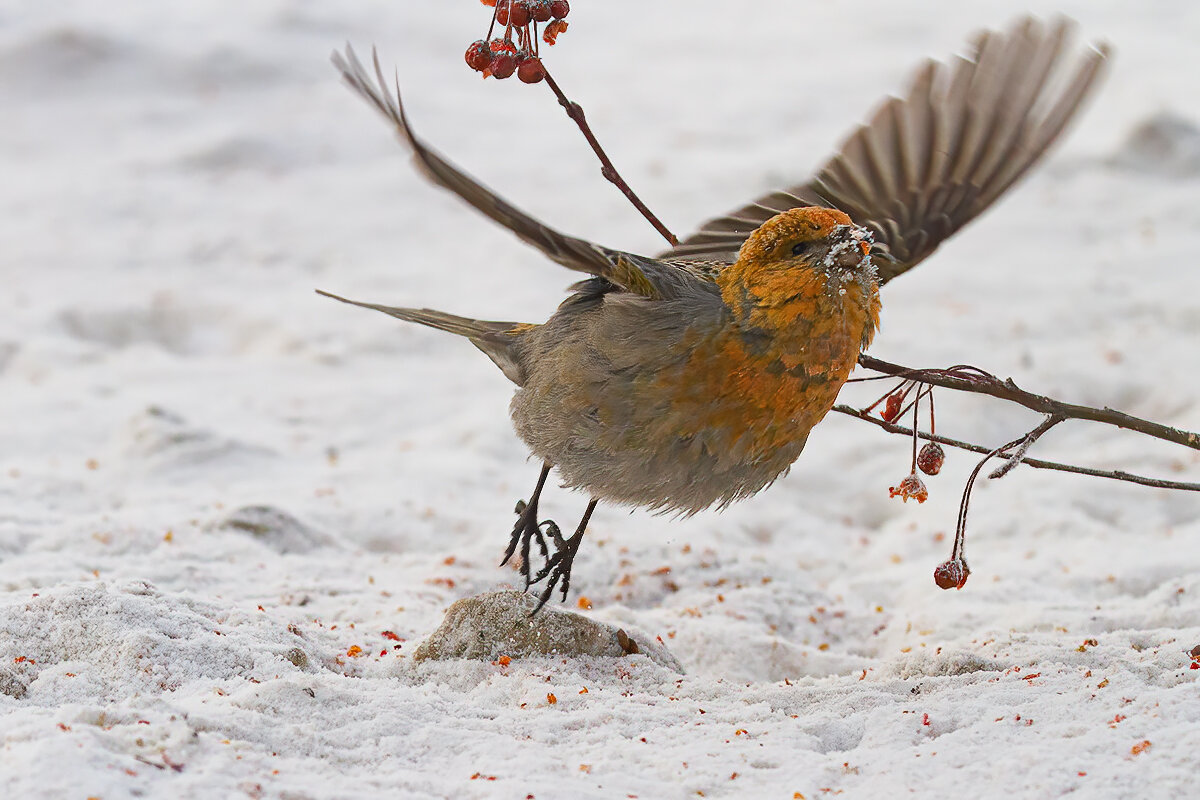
[[632, 273], [927, 164]]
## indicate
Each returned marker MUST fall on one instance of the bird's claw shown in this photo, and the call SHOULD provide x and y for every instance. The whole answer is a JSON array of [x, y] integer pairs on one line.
[[525, 532], [558, 566]]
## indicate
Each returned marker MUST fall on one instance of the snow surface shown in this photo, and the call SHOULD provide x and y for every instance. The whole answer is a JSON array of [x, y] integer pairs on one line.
[[215, 484]]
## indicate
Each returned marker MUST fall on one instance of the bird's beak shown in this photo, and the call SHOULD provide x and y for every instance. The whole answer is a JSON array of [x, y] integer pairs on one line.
[[851, 250]]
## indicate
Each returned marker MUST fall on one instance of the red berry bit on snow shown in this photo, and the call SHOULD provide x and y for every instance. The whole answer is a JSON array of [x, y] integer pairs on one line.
[[931, 458], [951, 574], [911, 487]]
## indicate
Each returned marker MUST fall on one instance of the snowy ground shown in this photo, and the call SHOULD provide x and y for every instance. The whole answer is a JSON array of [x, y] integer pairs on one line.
[[176, 179]]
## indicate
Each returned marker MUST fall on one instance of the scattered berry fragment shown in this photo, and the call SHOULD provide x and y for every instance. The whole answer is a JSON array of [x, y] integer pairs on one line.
[[931, 458], [911, 487], [479, 55], [951, 574], [559, 8]]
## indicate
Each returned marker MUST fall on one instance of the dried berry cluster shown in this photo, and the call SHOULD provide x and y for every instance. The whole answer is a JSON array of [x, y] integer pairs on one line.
[[931, 457], [952, 573], [517, 50]]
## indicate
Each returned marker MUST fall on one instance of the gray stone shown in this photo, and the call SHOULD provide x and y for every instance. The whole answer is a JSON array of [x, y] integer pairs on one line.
[[488, 626]]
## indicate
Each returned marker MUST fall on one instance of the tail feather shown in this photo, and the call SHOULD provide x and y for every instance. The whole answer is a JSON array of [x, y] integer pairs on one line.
[[495, 339]]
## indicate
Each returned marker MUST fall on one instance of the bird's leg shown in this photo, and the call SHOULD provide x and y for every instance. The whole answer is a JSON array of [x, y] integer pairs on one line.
[[558, 566], [528, 528]]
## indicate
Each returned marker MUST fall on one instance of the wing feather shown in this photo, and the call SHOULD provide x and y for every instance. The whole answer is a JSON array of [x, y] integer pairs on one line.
[[926, 165]]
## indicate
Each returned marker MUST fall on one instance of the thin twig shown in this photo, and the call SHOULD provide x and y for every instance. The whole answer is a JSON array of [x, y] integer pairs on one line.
[[1017, 455], [575, 112], [1038, 463], [980, 382]]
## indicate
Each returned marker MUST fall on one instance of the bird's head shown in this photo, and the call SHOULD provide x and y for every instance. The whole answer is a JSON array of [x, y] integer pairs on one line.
[[810, 238], [807, 263]]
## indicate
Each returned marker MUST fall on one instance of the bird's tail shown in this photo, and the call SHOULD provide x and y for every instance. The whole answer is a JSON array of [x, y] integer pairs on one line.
[[495, 339]]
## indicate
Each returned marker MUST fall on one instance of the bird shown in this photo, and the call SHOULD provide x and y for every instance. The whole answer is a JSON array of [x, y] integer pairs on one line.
[[692, 378]]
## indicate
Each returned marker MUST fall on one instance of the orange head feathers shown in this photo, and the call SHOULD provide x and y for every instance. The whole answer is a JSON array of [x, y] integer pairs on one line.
[[775, 238]]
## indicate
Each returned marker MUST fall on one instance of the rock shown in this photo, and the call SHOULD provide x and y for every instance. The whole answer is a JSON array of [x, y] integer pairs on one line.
[[1165, 144], [497, 624], [12, 684], [275, 528]]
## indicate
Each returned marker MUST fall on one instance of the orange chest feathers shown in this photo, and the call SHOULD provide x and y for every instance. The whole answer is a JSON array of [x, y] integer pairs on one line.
[[759, 384]]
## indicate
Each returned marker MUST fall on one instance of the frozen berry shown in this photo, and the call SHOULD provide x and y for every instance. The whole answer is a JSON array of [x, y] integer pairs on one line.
[[951, 574], [518, 14], [540, 10], [531, 70], [911, 487], [891, 408], [504, 64], [502, 12], [559, 8], [931, 458], [479, 55]]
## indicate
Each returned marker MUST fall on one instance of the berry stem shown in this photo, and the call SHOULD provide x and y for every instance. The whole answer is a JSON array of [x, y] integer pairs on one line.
[[575, 112], [1037, 463], [916, 407]]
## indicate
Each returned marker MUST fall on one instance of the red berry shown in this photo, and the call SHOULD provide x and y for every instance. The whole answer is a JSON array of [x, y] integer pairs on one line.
[[951, 574], [479, 55], [891, 409], [502, 12], [931, 458], [518, 14], [531, 70], [503, 65], [559, 8], [540, 10]]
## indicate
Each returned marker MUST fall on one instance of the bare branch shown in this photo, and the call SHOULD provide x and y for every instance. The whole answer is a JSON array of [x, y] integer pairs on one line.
[[1019, 454], [575, 112], [971, 379], [1038, 463]]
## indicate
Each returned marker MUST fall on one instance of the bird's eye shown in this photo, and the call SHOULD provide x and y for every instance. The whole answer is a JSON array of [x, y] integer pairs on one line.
[[798, 248]]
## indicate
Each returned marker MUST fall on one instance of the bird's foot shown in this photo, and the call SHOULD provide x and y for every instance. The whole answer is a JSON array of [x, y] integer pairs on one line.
[[525, 532], [558, 565]]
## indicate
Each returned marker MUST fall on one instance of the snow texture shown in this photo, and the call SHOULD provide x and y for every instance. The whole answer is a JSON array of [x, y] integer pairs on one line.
[[230, 509]]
